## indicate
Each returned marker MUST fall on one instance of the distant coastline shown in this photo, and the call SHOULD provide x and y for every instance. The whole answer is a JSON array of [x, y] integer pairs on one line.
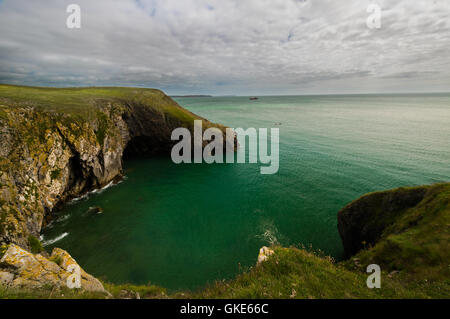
[[191, 96]]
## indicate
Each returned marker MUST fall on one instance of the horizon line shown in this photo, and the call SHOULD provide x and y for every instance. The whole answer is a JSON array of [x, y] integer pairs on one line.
[[206, 95]]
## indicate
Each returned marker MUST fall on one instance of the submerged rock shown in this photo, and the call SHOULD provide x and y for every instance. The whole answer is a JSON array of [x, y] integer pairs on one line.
[[95, 210], [22, 269]]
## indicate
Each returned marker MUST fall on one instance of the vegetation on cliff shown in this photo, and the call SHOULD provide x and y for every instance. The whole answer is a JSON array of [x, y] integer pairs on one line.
[[412, 240], [83, 103], [299, 273]]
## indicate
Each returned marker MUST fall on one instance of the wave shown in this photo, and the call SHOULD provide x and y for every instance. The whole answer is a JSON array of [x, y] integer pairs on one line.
[[97, 191], [269, 234], [54, 240]]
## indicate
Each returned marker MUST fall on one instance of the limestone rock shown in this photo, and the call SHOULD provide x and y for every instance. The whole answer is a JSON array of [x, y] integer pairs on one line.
[[264, 254], [6, 277], [128, 294], [88, 282], [21, 269]]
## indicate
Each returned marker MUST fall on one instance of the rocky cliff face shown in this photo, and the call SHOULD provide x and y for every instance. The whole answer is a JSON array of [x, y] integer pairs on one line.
[[21, 269], [58, 144], [48, 158]]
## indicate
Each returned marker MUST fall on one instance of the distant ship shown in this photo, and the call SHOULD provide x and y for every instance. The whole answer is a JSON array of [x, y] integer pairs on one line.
[[253, 98], [198, 95]]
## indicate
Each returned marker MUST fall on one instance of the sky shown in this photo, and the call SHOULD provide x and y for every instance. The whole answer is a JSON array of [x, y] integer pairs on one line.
[[229, 47]]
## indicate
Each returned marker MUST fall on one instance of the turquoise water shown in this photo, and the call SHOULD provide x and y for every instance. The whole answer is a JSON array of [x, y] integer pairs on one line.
[[181, 226]]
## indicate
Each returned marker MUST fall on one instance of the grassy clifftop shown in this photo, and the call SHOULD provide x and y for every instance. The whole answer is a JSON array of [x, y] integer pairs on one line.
[[83, 102], [412, 239]]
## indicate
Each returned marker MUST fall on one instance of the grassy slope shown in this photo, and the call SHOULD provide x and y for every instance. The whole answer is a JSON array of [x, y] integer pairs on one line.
[[79, 102], [297, 273], [417, 241]]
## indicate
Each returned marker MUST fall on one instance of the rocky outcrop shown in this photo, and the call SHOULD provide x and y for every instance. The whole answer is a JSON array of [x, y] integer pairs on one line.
[[362, 222], [61, 143], [49, 158], [23, 270], [264, 254]]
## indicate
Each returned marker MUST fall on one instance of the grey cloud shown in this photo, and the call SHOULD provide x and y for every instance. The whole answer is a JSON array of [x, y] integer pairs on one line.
[[228, 46]]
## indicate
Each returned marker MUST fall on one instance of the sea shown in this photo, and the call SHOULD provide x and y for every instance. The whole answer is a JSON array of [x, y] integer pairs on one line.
[[183, 226]]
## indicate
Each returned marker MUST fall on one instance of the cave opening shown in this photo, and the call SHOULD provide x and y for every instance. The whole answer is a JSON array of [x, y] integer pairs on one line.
[[140, 146]]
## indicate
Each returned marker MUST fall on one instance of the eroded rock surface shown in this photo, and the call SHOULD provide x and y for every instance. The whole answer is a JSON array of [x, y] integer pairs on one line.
[[22, 269]]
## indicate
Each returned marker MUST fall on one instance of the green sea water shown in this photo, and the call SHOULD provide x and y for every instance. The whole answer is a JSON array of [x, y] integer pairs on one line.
[[182, 226]]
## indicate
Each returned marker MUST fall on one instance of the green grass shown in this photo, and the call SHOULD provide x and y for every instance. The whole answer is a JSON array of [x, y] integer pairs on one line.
[[3, 114], [35, 245], [102, 127], [416, 240], [145, 291], [116, 292], [297, 273], [48, 293], [84, 102]]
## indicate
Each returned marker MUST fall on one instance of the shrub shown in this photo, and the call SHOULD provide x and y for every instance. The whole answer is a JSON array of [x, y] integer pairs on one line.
[[35, 244]]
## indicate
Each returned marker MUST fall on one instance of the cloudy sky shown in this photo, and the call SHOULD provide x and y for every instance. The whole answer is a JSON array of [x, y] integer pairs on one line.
[[221, 47]]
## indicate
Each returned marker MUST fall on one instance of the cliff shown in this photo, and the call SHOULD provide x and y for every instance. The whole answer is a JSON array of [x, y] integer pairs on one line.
[[405, 230], [60, 143]]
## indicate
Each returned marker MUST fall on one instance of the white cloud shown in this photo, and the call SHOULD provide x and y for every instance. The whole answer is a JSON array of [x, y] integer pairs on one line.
[[229, 46]]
